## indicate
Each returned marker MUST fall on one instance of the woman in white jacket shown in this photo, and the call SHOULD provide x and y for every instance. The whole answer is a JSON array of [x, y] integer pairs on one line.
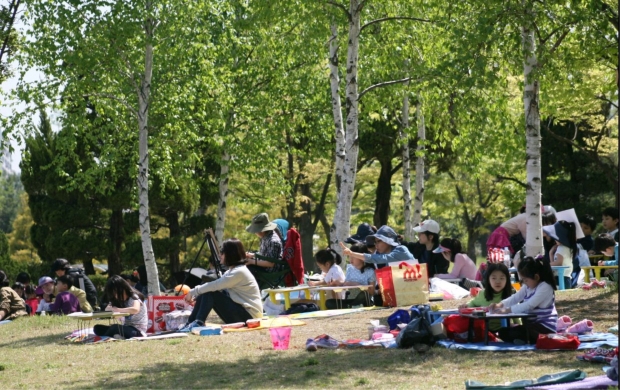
[[235, 296]]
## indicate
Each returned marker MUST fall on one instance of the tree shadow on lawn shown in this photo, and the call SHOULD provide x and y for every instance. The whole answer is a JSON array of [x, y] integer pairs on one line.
[[37, 341]]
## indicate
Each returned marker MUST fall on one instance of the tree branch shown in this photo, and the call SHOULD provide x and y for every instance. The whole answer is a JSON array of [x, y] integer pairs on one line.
[[319, 210], [507, 178], [342, 7], [394, 18], [7, 33], [559, 41], [384, 84], [112, 97]]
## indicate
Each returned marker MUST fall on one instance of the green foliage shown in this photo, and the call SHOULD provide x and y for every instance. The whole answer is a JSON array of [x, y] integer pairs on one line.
[[10, 191]]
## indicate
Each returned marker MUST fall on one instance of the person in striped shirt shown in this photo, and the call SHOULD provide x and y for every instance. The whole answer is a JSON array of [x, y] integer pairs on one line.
[[536, 296]]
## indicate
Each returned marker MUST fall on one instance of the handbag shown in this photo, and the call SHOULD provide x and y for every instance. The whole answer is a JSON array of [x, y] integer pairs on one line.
[[418, 330], [403, 284], [557, 341]]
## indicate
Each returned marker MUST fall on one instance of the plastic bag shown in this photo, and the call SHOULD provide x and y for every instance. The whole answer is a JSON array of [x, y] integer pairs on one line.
[[440, 285]]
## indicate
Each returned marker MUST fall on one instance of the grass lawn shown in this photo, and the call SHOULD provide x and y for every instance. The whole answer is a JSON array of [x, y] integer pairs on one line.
[[34, 354]]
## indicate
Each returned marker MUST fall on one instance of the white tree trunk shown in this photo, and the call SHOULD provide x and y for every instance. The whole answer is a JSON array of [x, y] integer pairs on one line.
[[221, 203], [143, 163], [419, 166], [334, 80], [404, 138], [534, 244]]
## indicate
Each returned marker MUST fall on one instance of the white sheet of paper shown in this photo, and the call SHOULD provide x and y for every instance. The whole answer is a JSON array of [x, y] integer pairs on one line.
[[570, 216]]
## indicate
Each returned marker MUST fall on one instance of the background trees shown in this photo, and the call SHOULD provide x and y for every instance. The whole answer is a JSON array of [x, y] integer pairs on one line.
[[257, 107]]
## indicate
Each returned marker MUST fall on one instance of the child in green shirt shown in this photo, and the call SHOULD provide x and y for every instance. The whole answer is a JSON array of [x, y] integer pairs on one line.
[[497, 287]]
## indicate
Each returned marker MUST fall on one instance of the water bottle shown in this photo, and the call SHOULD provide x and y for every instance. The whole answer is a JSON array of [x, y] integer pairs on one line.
[[507, 257], [43, 313]]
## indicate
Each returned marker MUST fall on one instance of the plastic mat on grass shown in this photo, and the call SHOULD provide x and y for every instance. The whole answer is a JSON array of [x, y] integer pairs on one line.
[[589, 341]]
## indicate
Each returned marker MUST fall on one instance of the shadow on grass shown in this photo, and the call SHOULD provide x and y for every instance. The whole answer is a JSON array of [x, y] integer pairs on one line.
[[288, 369], [37, 341]]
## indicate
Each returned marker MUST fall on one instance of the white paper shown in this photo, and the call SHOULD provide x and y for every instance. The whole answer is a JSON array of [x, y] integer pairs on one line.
[[570, 216]]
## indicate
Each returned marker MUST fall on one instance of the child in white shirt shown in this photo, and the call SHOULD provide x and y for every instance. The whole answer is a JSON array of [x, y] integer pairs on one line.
[[328, 261]]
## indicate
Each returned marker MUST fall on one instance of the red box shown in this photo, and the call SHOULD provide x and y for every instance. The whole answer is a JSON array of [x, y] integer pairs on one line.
[[157, 306]]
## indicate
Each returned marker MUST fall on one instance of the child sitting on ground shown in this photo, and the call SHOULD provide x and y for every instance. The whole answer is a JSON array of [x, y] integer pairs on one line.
[[328, 261], [45, 291], [31, 299], [496, 288], [65, 302], [536, 296], [564, 234], [606, 245], [359, 273], [81, 296], [124, 299]]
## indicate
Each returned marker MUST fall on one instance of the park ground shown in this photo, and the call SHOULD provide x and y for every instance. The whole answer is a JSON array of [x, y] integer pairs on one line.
[[34, 354]]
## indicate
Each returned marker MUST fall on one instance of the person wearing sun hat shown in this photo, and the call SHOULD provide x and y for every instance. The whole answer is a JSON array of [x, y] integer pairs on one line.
[[46, 291], [270, 243], [428, 241], [388, 249]]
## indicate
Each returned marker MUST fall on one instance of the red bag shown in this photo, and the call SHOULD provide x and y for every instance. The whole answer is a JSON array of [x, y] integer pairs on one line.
[[159, 305], [557, 341], [403, 284], [457, 328]]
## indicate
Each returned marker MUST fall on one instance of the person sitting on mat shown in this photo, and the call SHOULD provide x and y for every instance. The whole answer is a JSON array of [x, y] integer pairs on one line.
[[359, 273], [388, 249], [536, 296], [235, 296], [124, 299], [65, 302], [463, 267], [11, 305], [496, 288]]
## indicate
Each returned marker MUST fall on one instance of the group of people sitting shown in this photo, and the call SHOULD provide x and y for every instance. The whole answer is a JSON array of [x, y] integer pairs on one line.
[[236, 297]]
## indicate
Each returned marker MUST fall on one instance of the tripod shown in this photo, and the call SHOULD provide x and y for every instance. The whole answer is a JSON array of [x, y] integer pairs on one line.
[[215, 256]]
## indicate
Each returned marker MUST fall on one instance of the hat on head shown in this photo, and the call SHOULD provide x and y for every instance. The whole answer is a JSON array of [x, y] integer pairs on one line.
[[429, 226], [440, 249], [387, 235], [363, 231], [282, 226], [260, 223], [558, 232], [45, 280]]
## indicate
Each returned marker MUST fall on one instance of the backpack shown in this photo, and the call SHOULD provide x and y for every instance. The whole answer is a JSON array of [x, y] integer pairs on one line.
[[418, 330]]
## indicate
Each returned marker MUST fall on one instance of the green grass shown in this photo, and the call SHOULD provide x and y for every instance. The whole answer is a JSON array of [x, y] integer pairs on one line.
[[34, 354]]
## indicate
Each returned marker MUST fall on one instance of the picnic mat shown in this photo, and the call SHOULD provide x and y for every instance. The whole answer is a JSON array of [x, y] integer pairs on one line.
[[563, 377], [265, 324], [337, 312], [86, 336], [594, 382], [4, 322], [588, 341]]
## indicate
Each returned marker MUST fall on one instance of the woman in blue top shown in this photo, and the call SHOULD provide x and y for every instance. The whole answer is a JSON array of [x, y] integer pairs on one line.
[[388, 249]]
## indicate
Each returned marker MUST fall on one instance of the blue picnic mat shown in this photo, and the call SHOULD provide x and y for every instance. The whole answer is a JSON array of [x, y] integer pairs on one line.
[[588, 341], [4, 322]]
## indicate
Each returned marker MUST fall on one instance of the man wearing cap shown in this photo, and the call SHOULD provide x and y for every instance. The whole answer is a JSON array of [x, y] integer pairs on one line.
[[364, 230], [428, 241], [270, 243]]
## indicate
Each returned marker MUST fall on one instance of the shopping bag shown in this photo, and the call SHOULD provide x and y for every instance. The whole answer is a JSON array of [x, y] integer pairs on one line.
[[403, 284], [160, 305]]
